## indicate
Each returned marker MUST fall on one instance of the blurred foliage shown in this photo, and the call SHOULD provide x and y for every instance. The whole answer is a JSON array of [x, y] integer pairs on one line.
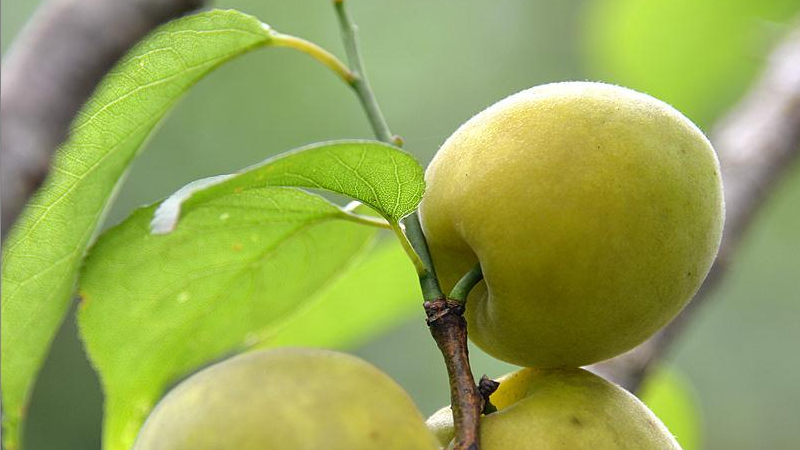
[[671, 397], [371, 297], [698, 55], [433, 65]]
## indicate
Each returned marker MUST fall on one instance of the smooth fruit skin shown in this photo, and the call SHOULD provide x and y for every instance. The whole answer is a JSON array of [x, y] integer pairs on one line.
[[299, 399], [595, 212], [563, 409]]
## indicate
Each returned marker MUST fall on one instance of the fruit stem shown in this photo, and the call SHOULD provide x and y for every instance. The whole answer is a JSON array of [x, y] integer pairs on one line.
[[466, 283]]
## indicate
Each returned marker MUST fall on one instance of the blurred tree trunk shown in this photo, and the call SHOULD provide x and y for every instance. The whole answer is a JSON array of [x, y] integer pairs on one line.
[[53, 67]]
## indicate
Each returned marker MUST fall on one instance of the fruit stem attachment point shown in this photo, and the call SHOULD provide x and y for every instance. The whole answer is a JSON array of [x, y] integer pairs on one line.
[[315, 51], [360, 83], [464, 286]]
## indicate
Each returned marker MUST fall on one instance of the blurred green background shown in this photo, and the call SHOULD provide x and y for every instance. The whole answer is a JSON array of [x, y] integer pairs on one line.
[[433, 65]]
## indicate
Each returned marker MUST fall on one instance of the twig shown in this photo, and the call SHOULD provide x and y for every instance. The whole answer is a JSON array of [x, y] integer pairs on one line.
[[53, 67], [449, 329], [756, 142], [360, 83], [445, 317], [428, 280]]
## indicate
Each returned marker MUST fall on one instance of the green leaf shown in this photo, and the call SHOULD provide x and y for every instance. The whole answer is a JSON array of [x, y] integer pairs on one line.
[[379, 292], [380, 175], [43, 252], [156, 307], [670, 396]]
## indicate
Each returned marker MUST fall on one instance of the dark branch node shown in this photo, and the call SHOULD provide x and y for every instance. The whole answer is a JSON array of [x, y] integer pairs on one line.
[[487, 387], [439, 308]]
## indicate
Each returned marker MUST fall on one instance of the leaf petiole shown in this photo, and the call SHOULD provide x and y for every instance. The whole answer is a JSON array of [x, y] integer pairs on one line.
[[419, 266], [315, 51], [378, 222]]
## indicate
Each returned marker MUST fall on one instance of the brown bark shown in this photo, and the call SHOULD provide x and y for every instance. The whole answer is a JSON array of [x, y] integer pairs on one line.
[[449, 329]]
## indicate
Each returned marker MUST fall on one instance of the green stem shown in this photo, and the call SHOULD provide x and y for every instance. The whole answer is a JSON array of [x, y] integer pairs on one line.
[[360, 83], [357, 79], [444, 317], [470, 279], [431, 290], [415, 246]]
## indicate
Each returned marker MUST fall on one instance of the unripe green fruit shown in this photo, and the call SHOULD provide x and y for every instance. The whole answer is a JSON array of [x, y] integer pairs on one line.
[[563, 409], [594, 211], [299, 399]]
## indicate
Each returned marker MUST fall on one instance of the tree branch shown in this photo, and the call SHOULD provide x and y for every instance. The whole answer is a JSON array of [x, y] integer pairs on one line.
[[53, 67], [445, 319], [448, 327], [755, 143]]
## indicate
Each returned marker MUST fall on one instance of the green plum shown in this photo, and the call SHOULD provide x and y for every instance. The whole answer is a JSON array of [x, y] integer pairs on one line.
[[594, 211], [563, 409], [299, 399]]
